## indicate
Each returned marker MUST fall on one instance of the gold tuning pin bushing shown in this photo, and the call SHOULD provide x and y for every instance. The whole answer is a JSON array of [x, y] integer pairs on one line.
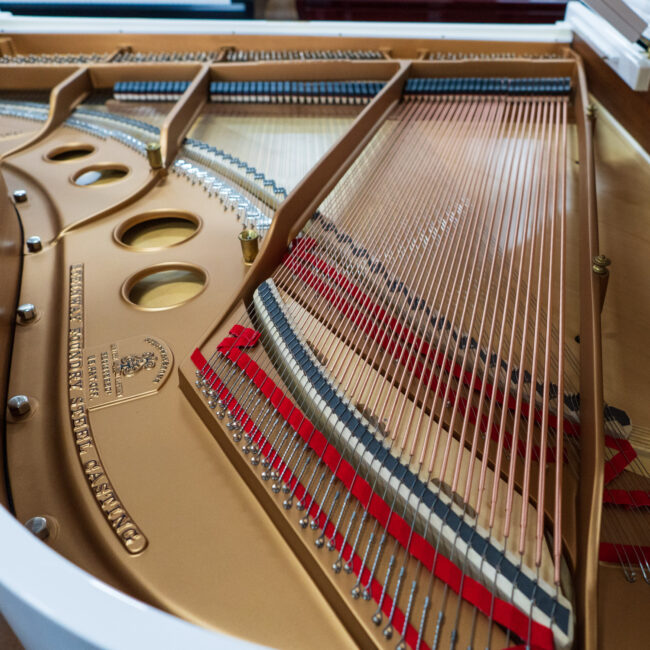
[[154, 155], [249, 239], [599, 264]]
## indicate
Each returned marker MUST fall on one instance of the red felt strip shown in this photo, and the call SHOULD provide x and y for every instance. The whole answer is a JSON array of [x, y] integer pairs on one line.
[[617, 553], [473, 592], [627, 498], [619, 461], [243, 337]]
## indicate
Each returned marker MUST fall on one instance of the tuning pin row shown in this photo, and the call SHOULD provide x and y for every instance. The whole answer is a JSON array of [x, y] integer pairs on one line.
[[489, 56], [294, 92], [249, 214], [302, 55], [149, 91], [164, 57], [51, 59], [240, 172], [35, 114], [488, 85]]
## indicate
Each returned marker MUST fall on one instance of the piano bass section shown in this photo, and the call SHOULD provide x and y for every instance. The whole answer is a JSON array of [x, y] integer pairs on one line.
[[389, 435]]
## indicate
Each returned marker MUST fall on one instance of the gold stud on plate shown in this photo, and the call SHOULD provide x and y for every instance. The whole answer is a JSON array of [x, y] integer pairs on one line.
[[249, 239], [154, 155]]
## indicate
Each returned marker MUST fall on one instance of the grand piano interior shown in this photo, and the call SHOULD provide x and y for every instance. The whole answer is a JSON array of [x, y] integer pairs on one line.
[[325, 334]]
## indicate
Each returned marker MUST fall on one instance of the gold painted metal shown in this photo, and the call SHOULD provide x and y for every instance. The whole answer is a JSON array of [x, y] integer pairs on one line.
[[249, 240], [69, 152], [157, 229], [64, 98], [164, 286], [182, 116], [154, 156], [189, 497], [11, 263], [101, 174], [126, 369]]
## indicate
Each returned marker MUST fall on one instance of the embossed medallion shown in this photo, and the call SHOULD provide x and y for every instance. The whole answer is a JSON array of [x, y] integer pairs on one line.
[[125, 369]]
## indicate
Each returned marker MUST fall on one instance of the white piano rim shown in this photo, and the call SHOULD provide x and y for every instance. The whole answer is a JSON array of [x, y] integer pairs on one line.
[[51, 603]]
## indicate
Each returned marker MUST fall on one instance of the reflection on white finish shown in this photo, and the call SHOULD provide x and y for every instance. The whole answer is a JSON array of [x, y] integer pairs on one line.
[[628, 60], [50, 603], [558, 33]]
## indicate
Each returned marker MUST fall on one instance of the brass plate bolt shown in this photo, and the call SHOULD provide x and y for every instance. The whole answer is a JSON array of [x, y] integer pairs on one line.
[[26, 313], [39, 526], [591, 111], [20, 196], [599, 264], [154, 155], [19, 406], [249, 239], [34, 244]]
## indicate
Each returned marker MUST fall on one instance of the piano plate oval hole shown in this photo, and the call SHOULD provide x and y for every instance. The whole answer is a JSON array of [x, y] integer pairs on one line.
[[98, 175], [69, 153], [157, 229], [164, 286]]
